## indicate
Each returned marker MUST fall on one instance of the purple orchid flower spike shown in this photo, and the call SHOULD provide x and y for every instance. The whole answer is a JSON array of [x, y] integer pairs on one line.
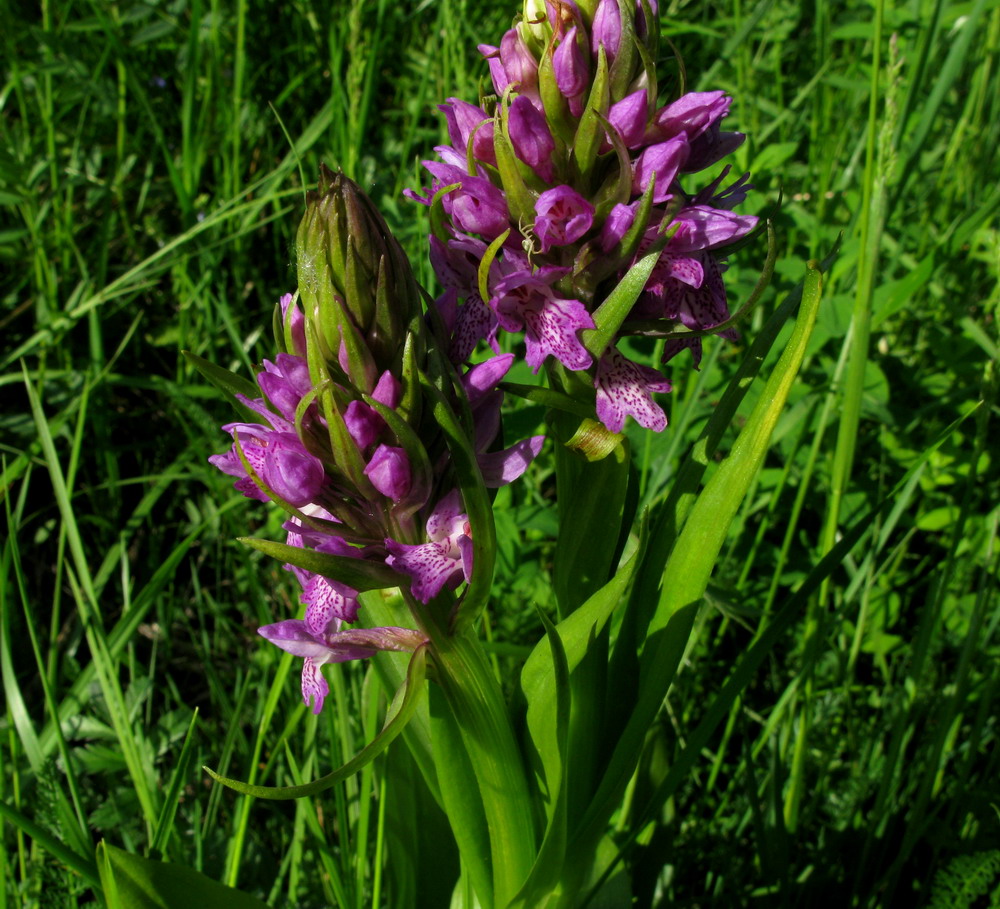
[[331, 645], [443, 561], [568, 187]]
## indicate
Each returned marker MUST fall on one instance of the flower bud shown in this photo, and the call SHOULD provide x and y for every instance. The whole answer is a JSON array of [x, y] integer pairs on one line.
[[354, 280]]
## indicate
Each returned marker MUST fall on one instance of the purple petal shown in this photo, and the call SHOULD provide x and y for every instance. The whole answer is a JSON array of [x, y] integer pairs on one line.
[[629, 117], [530, 137], [327, 605], [293, 637], [606, 29], [616, 225], [388, 390], [467, 121], [711, 146], [477, 206], [473, 322], [484, 377], [290, 472], [364, 423], [570, 66], [702, 227], [625, 389], [448, 520], [296, 322], [389, 472], [502, 467], [564, 216], [314, 686], [550, 324], [664, 160], [693, 113]]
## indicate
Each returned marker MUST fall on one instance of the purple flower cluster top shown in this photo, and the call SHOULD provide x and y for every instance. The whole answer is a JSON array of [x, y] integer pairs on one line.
[[554, 187], [344, 443]]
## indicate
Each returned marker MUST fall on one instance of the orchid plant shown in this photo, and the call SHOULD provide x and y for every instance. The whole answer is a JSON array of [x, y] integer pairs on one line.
[[567, 218]]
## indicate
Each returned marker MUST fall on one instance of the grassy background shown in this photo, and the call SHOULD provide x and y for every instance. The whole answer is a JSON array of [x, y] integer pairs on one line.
[[152, 161]]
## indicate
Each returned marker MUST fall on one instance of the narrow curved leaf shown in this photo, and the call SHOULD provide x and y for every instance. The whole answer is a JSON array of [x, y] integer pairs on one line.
[[400, 710], [547, 870]]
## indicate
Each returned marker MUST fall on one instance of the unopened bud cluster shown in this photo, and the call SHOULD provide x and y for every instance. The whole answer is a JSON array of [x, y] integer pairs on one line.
[[552, 188]]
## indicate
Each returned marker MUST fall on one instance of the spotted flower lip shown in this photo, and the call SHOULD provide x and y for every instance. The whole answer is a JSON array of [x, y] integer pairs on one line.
[[625, 389], [525, 301]]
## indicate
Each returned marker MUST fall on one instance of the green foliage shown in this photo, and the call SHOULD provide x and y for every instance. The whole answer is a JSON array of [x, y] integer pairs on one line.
[[965, 880], [838, 744]]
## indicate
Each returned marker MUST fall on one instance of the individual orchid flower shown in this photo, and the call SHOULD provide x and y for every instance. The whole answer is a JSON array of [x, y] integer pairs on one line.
[[445, 559], [334, 646], [524, 301]]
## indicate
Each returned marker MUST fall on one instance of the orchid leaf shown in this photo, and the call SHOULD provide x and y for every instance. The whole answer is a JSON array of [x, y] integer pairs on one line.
[[460, 797], [520, 199], [403, 706], [692, 561], [609, 316], [361, 574], [548, 397], [438, 216], [539, 677], [485, 263], [134, 882]]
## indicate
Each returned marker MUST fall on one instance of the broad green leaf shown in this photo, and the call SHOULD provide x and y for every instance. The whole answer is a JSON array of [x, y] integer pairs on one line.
[[776, 628], [361, 574], [589, 523], [539, 679], [460, 797], [400, 710], [142, 883]]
